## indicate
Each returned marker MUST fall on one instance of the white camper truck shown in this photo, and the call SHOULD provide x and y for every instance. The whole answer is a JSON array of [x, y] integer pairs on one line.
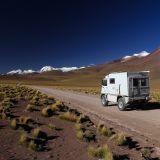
[[125, 88]]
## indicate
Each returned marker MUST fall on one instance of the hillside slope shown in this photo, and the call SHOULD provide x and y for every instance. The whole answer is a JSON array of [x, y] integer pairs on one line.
[[92, 76]]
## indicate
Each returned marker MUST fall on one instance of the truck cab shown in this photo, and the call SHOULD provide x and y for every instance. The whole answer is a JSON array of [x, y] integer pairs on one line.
[[125, 88]]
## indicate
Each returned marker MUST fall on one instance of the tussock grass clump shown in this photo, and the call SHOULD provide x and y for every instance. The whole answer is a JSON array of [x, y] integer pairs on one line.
[[146, 152], [30, 107], [24, 139], [47, 112], [78, 126], [3, 115], [119, 139], [37, 133], [155, 96], [100, 152], [13, 124], [24, 120], [83, 118], [69, 117], [80, 134], [60, 106], [33, 146], [54, 107], [30, 143], [51, 126], [103, 130]]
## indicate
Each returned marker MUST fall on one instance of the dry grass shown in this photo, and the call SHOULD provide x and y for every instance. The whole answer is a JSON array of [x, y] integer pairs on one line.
[[100, 152], [47, 112], [30, 107], [51, 126], [24, 139], [119, 139], [13, 124], [80, 134], [155, 95], [69, 117], [146, 153], [103, 130]]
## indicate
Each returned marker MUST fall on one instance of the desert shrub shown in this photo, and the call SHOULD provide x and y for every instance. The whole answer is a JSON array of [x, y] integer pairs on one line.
[[146, 153], [24, 120], [78, 126], [80, 134], [68, 116], [30, 107], [45, 101], [54, 107], [47, 112], [100, 152], [103, 130], [13, 124], [51, 126], [119, 139], [24, 139], [34, 146], [3, 115], [89, 136], [155, 96], [60, 106], [37, 133], [6, 103], [83, 119]]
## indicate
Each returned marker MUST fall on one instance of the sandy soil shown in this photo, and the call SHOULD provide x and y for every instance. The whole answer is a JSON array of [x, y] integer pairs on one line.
[[141, 122]]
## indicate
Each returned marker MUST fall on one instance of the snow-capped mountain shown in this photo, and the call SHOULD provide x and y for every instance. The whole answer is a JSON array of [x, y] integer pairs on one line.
[[47, 69], [19, 71], [63, 69], [44, 69], [139, 55]]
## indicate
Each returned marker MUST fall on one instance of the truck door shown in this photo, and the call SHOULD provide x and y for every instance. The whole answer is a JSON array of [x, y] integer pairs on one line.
[[138, 86], [134, 87], [104, 86], [113, 90]]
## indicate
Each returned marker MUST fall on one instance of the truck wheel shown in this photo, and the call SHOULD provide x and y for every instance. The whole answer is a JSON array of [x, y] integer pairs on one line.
[[121, 104], [104, 101]]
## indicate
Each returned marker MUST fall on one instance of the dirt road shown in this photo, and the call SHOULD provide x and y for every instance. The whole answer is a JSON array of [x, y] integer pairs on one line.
[[145, 122]]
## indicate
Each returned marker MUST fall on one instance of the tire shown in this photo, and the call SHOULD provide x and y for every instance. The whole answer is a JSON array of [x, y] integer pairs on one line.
[[121, 104], [104, 101]]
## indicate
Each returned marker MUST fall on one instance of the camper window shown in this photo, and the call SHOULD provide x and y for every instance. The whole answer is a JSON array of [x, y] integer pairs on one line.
[[112, 81], [143, 82], [104, 82], [135, 82]]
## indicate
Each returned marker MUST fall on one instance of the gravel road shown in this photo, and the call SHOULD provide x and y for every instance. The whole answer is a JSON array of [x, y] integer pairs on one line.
[[145, 122]]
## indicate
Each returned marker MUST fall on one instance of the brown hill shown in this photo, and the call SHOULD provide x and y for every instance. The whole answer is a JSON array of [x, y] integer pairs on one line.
[[92, 76]]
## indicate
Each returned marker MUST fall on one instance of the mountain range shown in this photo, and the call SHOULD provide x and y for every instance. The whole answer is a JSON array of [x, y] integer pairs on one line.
[[43, 69], [68, 69], [92, 76]]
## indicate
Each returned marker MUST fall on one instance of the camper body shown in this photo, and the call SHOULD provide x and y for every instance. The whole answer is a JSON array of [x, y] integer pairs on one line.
[[125, 88]]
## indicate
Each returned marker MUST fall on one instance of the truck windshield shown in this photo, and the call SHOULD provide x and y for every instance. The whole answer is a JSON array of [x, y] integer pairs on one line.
[[104, 82]]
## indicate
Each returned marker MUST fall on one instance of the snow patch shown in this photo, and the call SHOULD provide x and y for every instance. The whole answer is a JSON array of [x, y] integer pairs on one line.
[[139, 55], [47, 69], [19, 71]]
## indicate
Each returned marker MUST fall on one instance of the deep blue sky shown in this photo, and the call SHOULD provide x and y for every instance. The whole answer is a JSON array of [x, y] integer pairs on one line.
[[34, 33]]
